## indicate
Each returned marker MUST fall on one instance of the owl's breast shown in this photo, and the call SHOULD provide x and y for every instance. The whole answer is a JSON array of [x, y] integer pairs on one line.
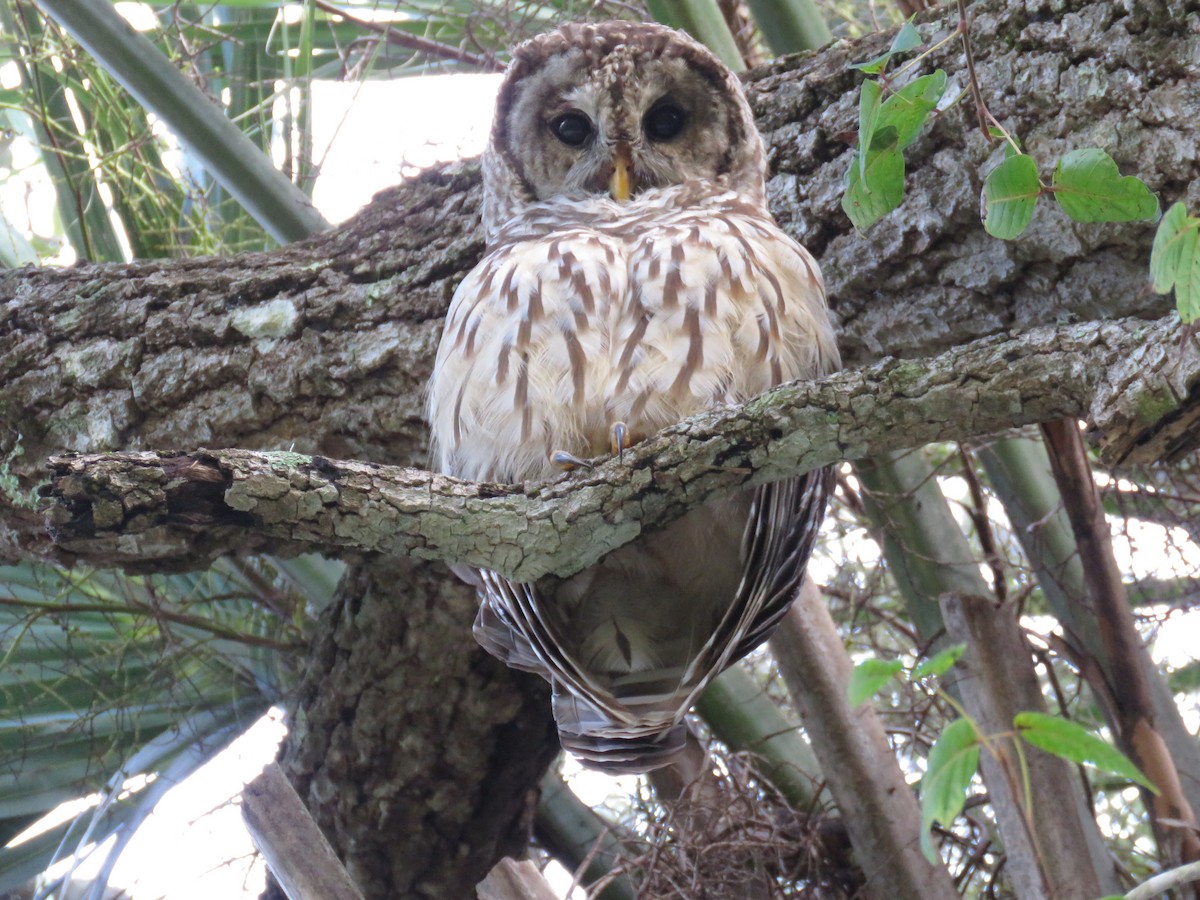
[[522, 367], [646, 315]]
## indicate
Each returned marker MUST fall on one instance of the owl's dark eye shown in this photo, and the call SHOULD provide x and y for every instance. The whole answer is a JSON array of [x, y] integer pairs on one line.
[[664, 122], [572, 128]]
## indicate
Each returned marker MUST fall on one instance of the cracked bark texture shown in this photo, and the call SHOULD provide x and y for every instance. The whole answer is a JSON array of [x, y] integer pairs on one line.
[[325, 346], [150, 511], [417, 753]]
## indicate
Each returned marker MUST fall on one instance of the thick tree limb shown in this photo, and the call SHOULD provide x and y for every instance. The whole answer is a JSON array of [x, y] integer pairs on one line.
[[879, 809], [158, 511], [327, 345], [1056, 849]]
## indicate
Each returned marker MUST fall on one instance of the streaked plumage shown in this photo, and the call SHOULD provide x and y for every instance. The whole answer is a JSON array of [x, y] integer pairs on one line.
[[588, 311]]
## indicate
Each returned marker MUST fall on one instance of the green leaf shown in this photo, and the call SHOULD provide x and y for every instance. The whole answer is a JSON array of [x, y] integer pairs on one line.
[[940, 663], [868, 113], [948, 771], [874, 66], [791, 26], [1175, 260], [875, 180], [907, 109], [869, 676], [1070, 741], [876, 192], [1009, 193], [906, 38], [702, 19], [1090, 188], [87, 692]]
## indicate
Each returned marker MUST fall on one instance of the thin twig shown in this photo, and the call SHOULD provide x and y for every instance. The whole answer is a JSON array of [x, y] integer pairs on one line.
[[981, 110], [413, 42], [1165, 881], [139, 609], [983, 526]]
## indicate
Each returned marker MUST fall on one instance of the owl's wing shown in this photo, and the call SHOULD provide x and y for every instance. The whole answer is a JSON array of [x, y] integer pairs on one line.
[[620, 733], [512, 626], [592, 723], [785, 518]]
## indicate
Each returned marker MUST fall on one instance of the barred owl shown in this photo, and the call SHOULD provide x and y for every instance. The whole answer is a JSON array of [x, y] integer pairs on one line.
[[633, 277]]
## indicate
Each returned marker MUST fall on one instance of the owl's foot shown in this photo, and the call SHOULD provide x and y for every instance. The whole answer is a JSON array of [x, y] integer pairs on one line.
[[568, 462], [621, 438]]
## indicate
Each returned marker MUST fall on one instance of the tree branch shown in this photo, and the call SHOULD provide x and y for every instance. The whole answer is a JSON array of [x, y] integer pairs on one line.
[[1121, 641], [1055, 850], [881, 814], [432, 48], [284, 832], [327, 344], [152, 511]]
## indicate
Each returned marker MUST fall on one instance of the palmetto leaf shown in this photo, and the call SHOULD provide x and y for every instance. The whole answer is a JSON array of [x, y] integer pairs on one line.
[[50, 126], [147, 74], [105, 677]]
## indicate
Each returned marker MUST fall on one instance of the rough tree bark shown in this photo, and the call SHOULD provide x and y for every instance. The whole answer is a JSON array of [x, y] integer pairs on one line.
[[416, 752], [160, 511], [323, 347]]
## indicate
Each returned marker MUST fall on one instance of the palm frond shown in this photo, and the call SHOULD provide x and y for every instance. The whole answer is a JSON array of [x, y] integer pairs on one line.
[[106, 677]]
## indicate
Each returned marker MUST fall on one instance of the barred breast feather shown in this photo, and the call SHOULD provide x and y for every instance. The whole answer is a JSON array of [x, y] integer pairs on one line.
[[586, 312]]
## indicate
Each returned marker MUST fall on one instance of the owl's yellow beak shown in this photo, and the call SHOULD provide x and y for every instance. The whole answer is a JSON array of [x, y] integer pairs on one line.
[[620, 186]]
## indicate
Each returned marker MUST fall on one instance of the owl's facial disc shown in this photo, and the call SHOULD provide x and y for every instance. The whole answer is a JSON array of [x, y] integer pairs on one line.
[[617, 109], [635, 121], [665, 121]]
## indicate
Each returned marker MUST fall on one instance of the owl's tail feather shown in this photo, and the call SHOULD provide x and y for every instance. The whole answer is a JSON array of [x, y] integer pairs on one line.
[[638, 743], [626, 756], [632, 726], [497, 636]]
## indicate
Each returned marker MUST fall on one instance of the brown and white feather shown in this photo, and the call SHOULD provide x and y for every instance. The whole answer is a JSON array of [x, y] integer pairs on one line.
[[587, 311]]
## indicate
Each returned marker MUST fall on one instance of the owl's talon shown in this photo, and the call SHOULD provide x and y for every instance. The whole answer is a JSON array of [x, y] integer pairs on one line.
[[618, 438], [568, 461]]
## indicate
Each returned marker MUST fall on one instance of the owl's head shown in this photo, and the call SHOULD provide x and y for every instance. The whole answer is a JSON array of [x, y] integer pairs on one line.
[[617, 108]]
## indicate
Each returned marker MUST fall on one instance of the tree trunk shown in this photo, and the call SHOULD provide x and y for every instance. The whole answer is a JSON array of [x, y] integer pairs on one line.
[[417, 753]]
